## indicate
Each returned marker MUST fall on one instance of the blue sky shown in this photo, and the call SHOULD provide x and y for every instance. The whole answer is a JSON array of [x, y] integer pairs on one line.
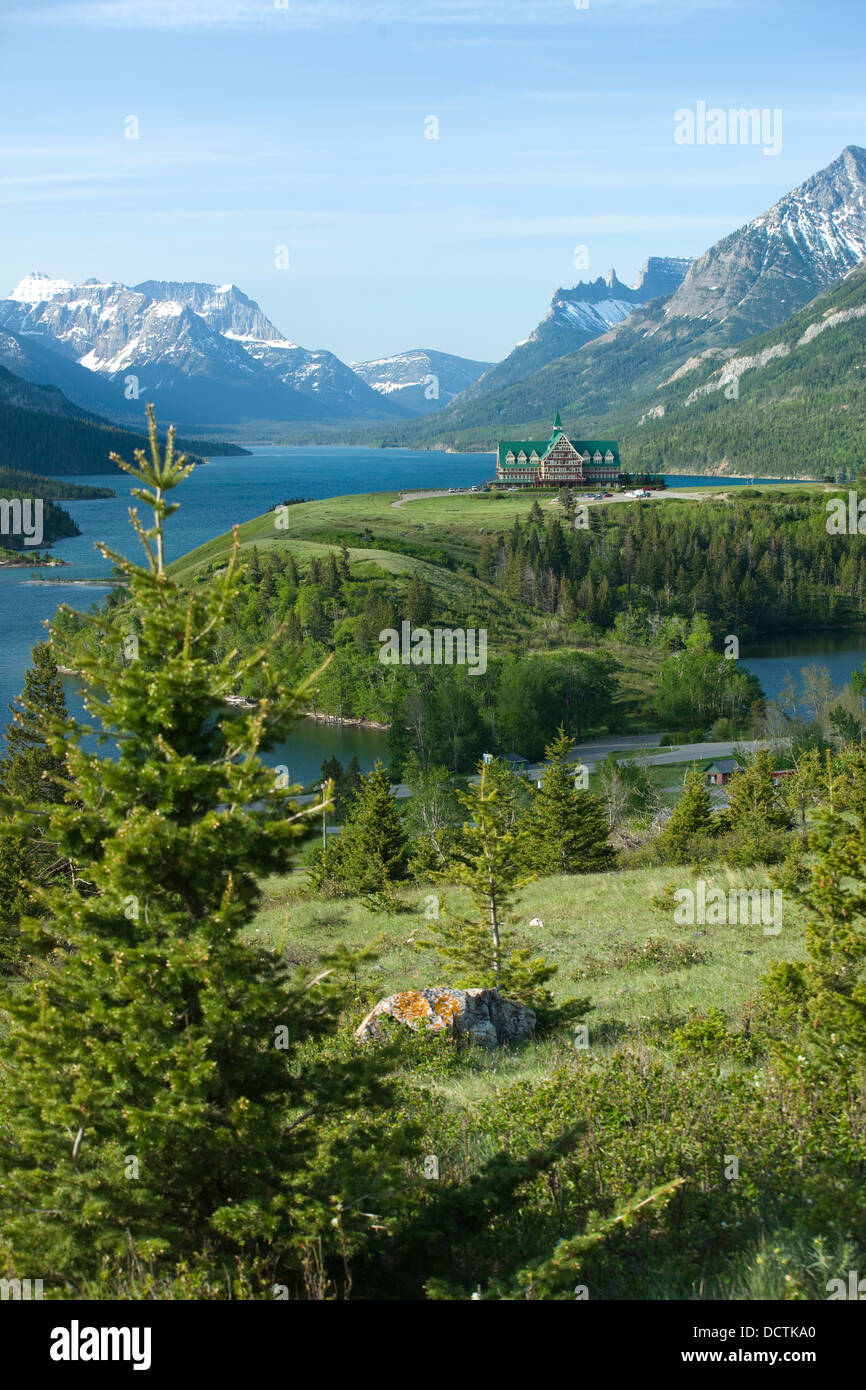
[[263, 125]]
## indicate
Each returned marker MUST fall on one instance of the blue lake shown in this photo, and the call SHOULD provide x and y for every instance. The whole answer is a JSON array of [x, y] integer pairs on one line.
[[215, 497], [774, 661], [226, 491]]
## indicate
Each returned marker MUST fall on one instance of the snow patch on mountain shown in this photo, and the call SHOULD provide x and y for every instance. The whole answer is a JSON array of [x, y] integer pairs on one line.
[[208, 349], [38, 286], [422, 379], [594, 318], [775, 264], [576, 316]]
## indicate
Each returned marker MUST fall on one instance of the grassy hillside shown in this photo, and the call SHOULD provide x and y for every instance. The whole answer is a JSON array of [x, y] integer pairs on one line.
[[449, 529], [488, 563], [674, 1078], [596, 928]]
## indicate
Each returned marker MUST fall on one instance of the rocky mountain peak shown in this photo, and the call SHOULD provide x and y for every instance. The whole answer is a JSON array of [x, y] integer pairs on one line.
[[780, 260]]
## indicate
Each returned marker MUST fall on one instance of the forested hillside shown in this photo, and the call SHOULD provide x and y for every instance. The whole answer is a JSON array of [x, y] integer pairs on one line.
[[795, 403], [563, 605], [41, 431]]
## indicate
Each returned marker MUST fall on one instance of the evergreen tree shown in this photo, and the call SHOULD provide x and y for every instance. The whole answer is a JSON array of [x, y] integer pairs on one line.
[[372, 851], [330, 575], [33, 774], [754, 805], [152, 1093], [828, 992], [692, 815], [14, 898], [346, 782], [488, 558], [332, 771], [293, 632], [419, 600], [30, 771], [567, 831], [352, 782], [343, 565], [267, 588], [478, 950]]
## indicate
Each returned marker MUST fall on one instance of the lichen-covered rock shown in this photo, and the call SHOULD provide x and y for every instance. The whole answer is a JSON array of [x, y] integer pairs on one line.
[[479, 1014]]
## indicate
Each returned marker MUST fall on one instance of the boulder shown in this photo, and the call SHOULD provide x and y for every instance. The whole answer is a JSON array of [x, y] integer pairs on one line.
[[481, 1015]]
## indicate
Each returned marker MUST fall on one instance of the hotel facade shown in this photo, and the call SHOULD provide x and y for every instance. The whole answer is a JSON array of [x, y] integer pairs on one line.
[[558, 461]]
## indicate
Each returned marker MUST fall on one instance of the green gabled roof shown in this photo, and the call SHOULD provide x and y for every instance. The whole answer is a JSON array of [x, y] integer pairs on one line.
[[590, 445], [540, 446]]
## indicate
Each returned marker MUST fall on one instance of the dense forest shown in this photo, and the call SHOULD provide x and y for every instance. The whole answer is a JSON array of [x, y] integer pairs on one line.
[[17, 484]]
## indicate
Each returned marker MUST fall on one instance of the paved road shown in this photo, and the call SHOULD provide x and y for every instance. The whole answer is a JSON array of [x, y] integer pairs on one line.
[[418, 496], [644, 746]]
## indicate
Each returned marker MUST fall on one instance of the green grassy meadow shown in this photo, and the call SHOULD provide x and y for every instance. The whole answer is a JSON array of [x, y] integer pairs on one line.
[[596, 929]]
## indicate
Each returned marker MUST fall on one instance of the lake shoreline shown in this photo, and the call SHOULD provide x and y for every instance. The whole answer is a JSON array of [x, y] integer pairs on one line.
[[242, 702]]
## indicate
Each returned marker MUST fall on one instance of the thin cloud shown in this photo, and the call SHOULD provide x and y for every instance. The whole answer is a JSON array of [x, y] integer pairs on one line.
[[316, 14]]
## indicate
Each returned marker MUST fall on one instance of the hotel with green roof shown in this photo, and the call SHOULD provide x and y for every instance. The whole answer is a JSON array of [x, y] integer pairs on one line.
[[558, 461]]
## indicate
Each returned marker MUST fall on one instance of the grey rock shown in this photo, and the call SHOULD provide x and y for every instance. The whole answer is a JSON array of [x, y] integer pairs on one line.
[[479, 1015]]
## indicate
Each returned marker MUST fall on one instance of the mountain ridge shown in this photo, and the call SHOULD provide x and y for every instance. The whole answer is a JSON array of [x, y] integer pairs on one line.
[[421, 378], [200, 352], [614, 378], [576, 316]]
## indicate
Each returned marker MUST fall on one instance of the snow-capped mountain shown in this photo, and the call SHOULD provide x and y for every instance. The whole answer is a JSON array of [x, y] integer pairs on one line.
[[578, 315], [778, 262], [316, 374], [205, 354], [746, 284], [421, 380]]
